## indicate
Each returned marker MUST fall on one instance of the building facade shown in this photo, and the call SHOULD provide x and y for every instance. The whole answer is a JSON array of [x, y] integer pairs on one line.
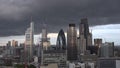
[[55, 56], [107, 49], [29, 41], [84, 30], [97, 42], [61, 41], [71, 43]]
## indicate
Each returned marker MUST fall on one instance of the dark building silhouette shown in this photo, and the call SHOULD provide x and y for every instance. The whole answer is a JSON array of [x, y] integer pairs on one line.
[[84, 21], [97, 42], [93, 49], [61, 41], [84, 30], [71, 43]]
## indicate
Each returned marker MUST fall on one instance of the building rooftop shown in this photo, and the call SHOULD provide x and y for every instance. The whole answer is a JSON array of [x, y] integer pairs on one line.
[[54, 51]]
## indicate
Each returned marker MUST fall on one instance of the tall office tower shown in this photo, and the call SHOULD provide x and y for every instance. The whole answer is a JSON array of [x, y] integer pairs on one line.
[[61, 41], [84, 21], [9, 44], [89, 39], [97, 42], [14, 43], [84, 30], [29, 39], [71, 43], [82, 45], [44, 33], [44, 43], [45, 40]]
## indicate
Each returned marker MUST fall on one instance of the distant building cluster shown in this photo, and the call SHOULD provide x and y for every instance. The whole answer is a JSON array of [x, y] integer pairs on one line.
[[71, 51]]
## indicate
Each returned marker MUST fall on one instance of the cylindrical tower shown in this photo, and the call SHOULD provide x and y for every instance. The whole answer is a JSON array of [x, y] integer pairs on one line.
[[71, 43]]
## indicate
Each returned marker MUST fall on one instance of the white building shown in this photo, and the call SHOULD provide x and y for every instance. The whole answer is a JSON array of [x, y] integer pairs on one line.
[[29, 40]]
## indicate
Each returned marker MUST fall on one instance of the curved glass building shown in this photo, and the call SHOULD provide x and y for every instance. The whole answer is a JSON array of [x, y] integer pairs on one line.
[[61, 40]]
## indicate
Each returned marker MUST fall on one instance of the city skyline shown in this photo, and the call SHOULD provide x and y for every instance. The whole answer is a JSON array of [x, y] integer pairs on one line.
[[79, 50], [59, 34], [103, 17], [110, 35]]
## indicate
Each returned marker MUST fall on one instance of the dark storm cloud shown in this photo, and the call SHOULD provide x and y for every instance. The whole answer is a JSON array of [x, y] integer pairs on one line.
[[15, 14]]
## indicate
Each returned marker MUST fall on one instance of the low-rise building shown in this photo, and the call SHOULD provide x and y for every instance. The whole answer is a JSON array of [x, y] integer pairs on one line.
[[55, 56], [108, 63]]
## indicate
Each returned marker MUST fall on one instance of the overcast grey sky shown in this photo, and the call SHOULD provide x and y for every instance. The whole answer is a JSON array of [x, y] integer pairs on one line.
[[15, 14]]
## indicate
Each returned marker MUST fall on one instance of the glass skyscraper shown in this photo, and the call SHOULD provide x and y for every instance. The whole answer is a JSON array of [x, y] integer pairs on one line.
[[84, 30], [29, 40], [71, 43], [61, 41]]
